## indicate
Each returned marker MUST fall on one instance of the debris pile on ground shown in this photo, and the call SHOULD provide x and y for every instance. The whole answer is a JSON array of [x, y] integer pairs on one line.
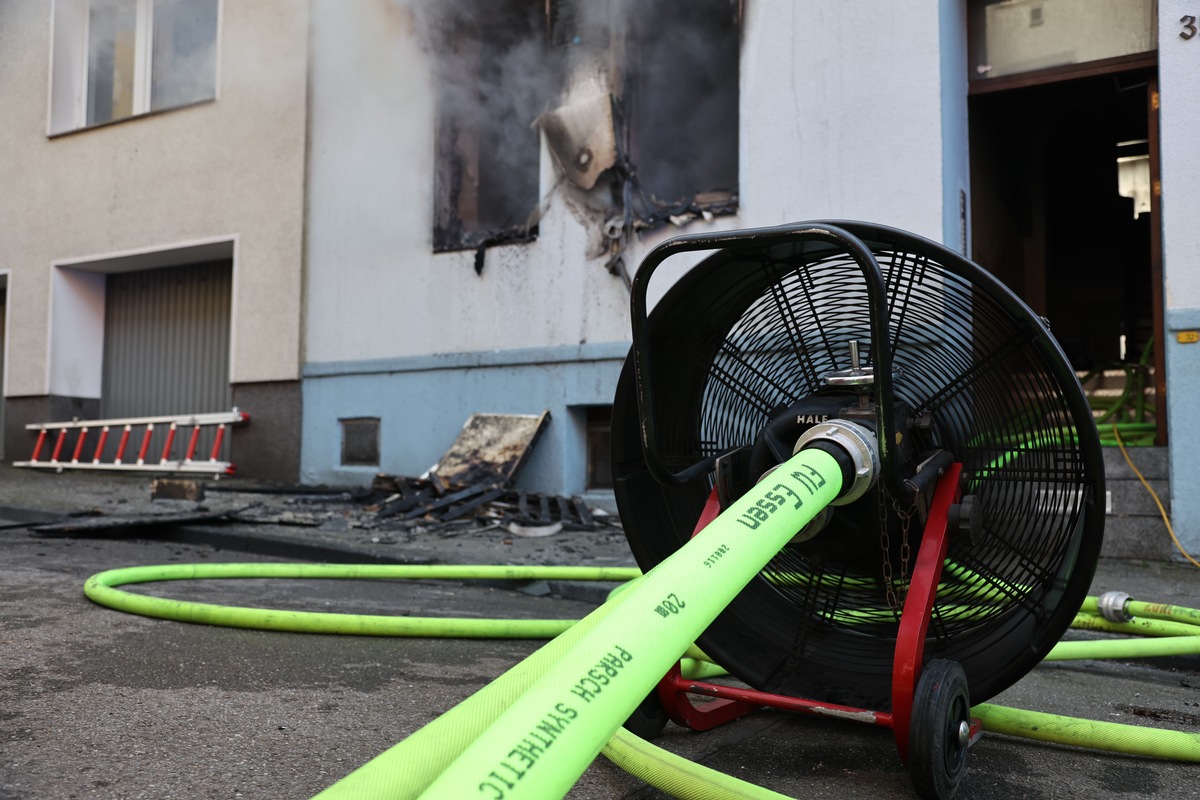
[[469, 494], [430, 502], [397, 503]]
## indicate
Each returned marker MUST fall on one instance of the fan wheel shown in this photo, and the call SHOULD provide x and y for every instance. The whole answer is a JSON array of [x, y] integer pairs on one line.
[[735, 361], [940, 730]]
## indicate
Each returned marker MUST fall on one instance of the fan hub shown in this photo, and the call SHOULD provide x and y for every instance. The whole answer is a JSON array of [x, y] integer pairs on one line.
[[777, 440]]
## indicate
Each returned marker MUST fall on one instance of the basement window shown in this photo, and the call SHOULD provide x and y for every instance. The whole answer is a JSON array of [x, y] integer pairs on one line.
[[117, 59], [492, 84], [360, 442]]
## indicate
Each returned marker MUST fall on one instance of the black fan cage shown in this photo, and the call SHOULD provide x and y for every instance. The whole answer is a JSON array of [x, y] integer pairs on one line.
[[751, 331]]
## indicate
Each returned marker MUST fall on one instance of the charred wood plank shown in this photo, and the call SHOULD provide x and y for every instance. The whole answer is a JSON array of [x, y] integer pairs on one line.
[[581, 510], [471, 505], [103, 525], [448, 500], [411, 498], [564, 508]]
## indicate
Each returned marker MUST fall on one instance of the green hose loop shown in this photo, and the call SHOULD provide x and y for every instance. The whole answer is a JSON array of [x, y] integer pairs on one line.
[[1177, 632], [1136, 627], [101, 588], [409, 768], [494, 741]]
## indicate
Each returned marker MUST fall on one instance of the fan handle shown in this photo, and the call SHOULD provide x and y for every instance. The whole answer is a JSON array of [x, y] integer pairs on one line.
[[762, 238]]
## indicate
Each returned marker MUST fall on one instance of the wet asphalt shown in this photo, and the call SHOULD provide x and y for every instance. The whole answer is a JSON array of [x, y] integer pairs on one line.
[[96, 703]]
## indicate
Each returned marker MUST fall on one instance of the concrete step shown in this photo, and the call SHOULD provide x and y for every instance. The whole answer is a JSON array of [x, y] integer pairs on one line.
[[1130, 498], [1150, 461], [1141, 538], [1133, 525]]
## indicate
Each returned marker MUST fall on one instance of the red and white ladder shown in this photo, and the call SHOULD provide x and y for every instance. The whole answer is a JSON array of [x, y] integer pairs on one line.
[[188, 463]]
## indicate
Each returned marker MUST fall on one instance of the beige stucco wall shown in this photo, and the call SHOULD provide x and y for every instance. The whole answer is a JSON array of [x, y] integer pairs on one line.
[[232, 168]]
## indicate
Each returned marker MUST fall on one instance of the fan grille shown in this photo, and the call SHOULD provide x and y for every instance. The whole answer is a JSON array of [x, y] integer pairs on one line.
[[752, 331]]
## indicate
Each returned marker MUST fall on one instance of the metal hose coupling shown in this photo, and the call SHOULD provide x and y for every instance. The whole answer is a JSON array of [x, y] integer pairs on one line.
[[855, 449], [1113, 606]]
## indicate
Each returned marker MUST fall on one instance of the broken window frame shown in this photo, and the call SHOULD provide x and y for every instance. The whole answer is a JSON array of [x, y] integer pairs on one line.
[[623, 168], [614, 132], [487, 152], [641, 52]]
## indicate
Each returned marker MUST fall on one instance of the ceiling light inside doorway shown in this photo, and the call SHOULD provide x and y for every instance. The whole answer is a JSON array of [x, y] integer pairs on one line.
[[1133, 175]]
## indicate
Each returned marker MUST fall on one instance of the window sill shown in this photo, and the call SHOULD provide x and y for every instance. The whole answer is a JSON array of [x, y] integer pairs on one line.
[[131, 118], [484, 240]]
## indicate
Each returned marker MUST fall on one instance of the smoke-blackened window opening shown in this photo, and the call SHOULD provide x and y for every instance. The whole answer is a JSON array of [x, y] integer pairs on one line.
[[494, 78], [638, 103], [584, 25], [680, 101]]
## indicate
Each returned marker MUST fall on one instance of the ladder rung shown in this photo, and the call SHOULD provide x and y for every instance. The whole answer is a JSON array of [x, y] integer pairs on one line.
[[165, 463], [227, 417], [202, 467]]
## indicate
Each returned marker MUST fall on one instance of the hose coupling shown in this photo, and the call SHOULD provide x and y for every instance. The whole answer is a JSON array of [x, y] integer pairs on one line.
[[1113, 607], [854, 447]]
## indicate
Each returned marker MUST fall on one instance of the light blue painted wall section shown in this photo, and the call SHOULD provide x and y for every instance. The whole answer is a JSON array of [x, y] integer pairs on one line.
[[952, 20], [1179, 119], [1183, 430], [422, 402]]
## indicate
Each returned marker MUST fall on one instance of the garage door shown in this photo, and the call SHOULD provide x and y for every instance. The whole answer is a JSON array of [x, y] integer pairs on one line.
[[166, 341]]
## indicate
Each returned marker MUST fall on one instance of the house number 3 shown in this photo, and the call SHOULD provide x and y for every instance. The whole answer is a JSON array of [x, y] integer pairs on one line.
[[1189, 26]]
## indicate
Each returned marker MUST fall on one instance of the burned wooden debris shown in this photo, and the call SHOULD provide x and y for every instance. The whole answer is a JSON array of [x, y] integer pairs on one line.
[[489, 448], [406, 501], [94, 524], [472, 482], [393, 505], [470, 489]]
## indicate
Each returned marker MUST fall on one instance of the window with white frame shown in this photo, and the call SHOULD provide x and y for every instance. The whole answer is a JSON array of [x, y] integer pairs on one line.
[[115, 59]]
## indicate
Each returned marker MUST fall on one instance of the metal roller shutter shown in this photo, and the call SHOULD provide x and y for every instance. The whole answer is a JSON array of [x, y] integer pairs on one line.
[[166, 341]]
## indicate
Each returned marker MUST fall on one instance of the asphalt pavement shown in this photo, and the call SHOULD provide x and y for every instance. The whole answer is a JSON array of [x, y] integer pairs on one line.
[[101, 704]]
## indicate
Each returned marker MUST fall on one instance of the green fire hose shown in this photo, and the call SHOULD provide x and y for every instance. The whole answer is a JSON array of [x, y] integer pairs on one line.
[[535, 729], [575, 692]]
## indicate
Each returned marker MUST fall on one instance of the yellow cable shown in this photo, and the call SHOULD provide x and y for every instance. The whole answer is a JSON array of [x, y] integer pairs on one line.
[[1153, 494]]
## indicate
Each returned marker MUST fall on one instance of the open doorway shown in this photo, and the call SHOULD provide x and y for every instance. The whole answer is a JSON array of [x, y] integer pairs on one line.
[[1064, 213]]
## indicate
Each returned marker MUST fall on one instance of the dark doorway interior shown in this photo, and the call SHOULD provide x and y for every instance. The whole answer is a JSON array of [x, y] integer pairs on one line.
[[1097, 251], [1047, 215]]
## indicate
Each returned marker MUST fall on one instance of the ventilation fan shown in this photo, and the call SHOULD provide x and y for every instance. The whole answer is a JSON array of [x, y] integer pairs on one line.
[[782, 334]]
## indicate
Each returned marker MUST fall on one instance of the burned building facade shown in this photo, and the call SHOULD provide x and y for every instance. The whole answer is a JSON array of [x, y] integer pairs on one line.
[[540, 143], [403, 212]]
